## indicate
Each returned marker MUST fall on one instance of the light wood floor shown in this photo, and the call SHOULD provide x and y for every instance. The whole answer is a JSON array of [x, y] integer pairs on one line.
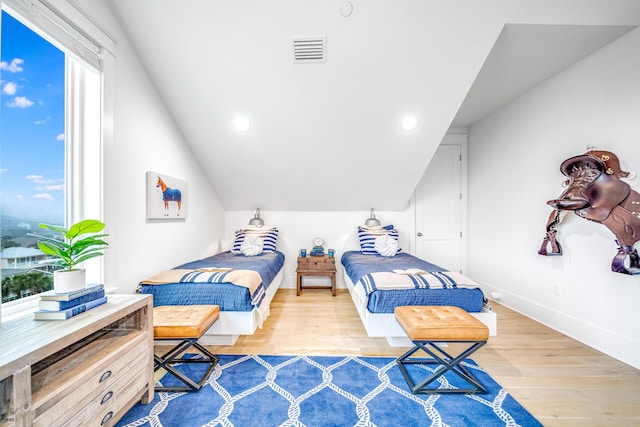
[[559, 380]]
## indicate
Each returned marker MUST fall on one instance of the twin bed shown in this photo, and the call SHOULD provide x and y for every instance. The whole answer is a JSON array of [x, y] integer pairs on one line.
[[379, 277], [378, 284], [242, 282]]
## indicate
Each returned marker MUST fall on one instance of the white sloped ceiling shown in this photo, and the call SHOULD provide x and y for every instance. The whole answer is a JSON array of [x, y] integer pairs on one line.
[[325, 135]]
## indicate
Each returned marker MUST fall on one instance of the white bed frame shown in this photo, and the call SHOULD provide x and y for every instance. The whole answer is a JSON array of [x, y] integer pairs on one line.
[[385, 325], [231, 324]]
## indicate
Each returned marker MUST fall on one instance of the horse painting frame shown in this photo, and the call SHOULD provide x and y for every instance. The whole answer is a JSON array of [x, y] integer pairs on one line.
[[167, 197]]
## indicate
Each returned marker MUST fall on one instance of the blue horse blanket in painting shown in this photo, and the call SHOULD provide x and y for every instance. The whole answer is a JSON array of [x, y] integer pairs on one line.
[[198, 283], [172, 195]]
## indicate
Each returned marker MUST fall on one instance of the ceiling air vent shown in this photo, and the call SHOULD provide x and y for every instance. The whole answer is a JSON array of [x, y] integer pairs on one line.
[[309, 49]]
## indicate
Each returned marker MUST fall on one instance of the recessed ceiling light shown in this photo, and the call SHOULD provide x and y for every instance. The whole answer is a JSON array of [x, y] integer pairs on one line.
[[242, 124], [409, 123]]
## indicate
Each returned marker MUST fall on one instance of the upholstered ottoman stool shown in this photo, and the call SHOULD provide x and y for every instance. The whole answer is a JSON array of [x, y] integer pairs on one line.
[[186, 324], [430, 327]]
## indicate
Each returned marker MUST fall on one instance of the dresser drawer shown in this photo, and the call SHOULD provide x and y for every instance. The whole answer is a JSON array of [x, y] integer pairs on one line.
[[103, 409], [68, 386]]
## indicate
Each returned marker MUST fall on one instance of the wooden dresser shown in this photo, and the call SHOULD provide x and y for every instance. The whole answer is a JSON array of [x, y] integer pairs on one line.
[[87, 370], [316, 266]]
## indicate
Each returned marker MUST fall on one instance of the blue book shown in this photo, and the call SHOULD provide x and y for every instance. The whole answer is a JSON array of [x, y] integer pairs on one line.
[[53, 305], [70, 312], [68, 296]]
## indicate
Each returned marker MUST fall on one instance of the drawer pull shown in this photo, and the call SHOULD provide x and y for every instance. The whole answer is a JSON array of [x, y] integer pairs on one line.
[[106, 418], [106, 398], [105, 376]]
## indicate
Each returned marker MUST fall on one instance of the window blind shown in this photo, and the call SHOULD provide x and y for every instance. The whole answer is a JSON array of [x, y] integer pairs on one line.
[[52, 20]]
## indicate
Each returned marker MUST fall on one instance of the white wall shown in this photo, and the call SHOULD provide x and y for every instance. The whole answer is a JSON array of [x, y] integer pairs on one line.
[[515, 157], [338, 229], [146, 138]]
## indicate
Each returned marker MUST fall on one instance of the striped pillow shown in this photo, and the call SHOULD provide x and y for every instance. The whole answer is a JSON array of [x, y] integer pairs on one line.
[[368, 238], [268, 235]]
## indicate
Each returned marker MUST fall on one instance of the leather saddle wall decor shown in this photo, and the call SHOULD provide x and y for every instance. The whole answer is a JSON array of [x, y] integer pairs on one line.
[[595, 192]]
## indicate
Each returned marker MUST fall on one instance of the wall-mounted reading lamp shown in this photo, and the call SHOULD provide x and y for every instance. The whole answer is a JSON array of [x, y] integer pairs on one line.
[[256, 221], [372, 221]]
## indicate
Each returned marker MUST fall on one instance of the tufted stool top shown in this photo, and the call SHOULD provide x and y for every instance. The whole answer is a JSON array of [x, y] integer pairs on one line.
[[426, 323], [183, 321]]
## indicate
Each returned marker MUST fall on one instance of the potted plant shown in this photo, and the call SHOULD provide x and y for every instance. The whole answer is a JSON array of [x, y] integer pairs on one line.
[[79, 243]]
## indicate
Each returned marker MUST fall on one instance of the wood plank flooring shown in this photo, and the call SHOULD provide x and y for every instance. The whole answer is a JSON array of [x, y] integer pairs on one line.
[[559, 380]]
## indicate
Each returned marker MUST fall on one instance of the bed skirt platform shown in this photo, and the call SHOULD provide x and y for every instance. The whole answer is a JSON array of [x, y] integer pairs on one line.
[[232, 324], [229, 327]]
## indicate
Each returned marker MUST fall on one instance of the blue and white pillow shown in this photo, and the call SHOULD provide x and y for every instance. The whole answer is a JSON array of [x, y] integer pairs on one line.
[[368, 236], [269, 237]]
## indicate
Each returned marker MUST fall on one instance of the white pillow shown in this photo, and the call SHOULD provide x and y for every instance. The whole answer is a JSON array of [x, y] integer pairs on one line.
[[252, 245], [386, 245]]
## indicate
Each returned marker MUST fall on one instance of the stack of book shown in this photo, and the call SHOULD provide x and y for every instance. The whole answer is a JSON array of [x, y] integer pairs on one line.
[[53, 306], [317, 251]]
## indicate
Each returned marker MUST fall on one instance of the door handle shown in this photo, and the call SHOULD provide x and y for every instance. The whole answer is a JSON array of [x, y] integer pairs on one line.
[[419, 234]]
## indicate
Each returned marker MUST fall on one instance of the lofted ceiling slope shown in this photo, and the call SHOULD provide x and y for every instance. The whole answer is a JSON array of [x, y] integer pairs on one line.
[[327, 136], [524, 56]]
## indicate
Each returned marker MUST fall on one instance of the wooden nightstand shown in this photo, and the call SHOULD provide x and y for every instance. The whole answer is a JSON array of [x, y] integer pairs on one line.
[[316, 266]]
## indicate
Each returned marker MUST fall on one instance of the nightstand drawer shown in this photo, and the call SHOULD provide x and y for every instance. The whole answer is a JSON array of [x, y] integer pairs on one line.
[[311, 263]]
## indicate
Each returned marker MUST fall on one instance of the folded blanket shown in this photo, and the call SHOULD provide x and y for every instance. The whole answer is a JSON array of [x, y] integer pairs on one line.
[[410, 271], [247, 278], [415, 279]]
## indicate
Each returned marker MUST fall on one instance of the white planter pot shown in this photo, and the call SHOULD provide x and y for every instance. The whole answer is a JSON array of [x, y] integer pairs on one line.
[[65, 281]]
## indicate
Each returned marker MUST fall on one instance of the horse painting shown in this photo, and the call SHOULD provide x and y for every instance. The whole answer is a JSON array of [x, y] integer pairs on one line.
[[169, 195]]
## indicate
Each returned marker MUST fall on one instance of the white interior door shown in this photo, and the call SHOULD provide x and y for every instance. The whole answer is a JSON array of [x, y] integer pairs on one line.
[[439, 204]]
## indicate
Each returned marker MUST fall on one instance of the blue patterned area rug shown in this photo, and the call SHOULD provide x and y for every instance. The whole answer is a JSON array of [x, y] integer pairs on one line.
[[324, 391]]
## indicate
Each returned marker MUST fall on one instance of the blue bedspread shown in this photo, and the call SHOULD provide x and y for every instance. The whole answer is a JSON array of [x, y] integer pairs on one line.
[[358, 265], [360, 269], [228, 296]]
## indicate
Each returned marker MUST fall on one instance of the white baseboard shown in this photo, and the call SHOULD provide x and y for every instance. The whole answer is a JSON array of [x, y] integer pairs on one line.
[[605, 340]]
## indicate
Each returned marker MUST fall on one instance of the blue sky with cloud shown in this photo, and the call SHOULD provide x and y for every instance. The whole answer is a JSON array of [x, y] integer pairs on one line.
[[31, 125]]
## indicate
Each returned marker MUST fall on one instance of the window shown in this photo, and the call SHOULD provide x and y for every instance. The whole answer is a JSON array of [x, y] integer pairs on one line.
[[32, 154], [54, 93]]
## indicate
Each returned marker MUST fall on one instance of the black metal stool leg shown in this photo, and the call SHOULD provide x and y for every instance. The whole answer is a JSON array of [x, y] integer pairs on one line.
[[167, 360], [445, 362]]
